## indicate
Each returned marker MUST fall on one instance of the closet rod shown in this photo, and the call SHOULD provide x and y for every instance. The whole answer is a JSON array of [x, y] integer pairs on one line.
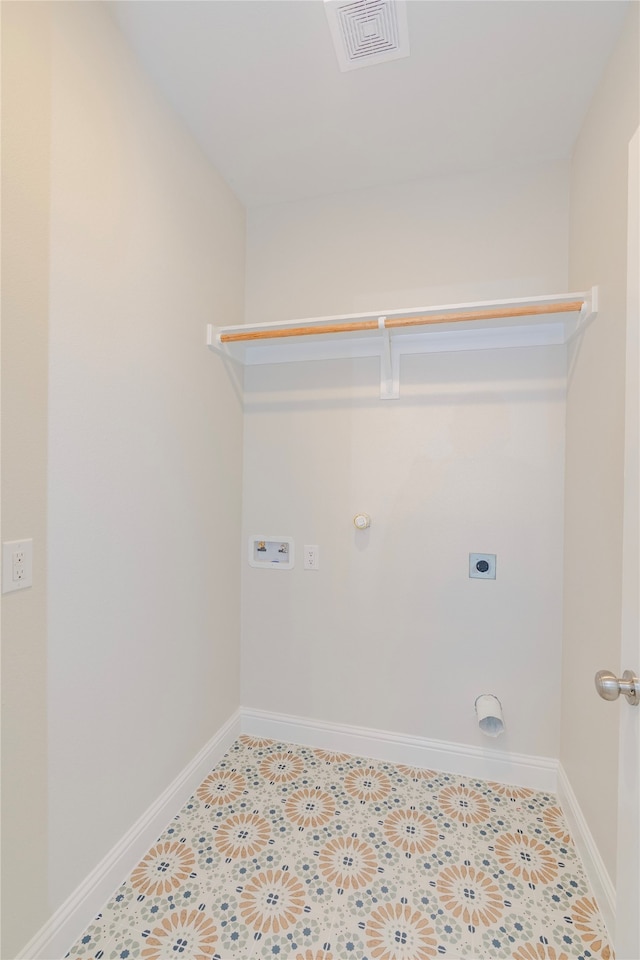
[[391, 322]]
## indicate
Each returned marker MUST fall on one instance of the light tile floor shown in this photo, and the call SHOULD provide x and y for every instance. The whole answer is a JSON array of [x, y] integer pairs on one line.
[[288, 851]]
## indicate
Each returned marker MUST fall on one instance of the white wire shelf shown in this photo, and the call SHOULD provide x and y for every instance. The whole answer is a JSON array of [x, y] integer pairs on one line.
[[488, 324]]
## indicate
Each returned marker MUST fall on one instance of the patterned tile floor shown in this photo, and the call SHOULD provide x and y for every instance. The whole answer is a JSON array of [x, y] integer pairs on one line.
[[288, 851]]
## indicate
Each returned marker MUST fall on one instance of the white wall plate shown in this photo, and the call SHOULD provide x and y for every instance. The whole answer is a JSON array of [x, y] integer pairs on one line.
[[17, 565], [482, 566]]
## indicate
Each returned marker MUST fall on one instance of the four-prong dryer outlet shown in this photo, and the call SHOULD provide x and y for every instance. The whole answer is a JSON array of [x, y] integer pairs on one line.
[[482, 566]]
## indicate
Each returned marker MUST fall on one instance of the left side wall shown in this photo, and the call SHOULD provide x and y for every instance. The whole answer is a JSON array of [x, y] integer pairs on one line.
[[26, 120], [133, 243]]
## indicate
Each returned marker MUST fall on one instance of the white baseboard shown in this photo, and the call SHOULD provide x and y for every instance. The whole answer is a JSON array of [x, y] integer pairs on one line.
[[539, 773], [597, 874], [59, 933]]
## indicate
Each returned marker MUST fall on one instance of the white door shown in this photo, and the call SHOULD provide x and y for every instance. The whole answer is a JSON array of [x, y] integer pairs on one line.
[[627, 939]]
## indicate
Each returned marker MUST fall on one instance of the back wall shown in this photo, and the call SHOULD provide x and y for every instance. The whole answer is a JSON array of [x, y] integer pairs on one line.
[[390, 632]]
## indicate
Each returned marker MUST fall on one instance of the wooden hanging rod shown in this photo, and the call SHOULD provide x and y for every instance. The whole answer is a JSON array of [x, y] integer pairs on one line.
[[571, 306]]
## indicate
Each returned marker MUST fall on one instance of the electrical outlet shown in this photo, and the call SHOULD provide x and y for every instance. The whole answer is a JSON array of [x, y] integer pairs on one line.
[[311, 557], [17, 565], [482, 566]]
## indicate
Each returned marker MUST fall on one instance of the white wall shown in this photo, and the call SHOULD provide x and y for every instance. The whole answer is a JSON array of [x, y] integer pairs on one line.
[[595, 433], [498, 234], [145, 245], [390, 632], [25, 308]]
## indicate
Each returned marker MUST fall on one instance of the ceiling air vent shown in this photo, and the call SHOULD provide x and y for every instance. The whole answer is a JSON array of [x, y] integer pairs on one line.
[[366, 32]]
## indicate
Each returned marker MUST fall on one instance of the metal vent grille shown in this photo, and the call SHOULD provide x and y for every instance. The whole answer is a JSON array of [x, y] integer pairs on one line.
[[368, 31]]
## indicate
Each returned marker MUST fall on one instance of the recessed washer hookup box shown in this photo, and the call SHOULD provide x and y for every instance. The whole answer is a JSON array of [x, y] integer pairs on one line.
[[274, 552]]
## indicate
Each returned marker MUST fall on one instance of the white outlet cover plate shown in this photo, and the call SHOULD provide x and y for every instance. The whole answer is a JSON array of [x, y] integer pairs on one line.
[[9, 548], [311, 557], [475, 558]]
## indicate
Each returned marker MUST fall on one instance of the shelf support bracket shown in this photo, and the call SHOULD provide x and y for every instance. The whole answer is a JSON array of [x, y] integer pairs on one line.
[[389, 365], [214, 343], [588, 313], [589, 309]]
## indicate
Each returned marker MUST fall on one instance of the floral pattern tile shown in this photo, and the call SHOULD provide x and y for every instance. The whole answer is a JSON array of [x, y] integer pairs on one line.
[[293, 852]]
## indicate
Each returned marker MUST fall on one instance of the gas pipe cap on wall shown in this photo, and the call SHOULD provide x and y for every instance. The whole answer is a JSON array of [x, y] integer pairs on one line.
[[361, 521]]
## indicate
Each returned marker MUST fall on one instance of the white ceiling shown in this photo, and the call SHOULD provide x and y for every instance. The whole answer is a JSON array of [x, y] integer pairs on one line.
[[487, 83]]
